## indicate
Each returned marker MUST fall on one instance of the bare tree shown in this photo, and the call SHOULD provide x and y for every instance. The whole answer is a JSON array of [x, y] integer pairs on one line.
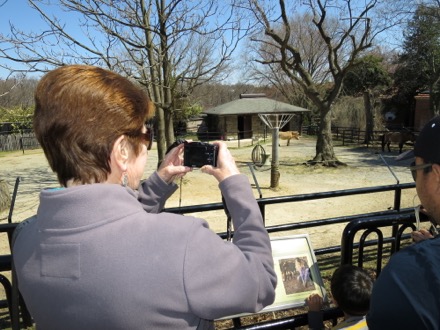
[[271, 73], [338, 31], [17, 92], [170, 47]]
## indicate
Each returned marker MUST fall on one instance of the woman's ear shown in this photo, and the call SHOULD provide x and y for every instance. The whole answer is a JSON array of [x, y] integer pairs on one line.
[[121, 153]]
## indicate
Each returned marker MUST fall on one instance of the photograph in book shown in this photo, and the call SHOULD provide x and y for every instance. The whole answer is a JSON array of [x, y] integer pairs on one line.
[[297, 271]]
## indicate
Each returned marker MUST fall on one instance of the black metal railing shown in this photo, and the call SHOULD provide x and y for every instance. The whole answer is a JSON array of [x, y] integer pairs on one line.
[[368, 222], [263, 202]]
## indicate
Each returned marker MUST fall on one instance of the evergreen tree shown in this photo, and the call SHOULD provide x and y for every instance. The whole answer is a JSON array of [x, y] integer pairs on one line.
[[367, 77], [419, 64]]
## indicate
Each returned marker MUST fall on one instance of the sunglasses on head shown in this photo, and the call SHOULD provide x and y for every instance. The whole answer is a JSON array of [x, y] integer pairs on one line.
[[414, 168], [147, 137]]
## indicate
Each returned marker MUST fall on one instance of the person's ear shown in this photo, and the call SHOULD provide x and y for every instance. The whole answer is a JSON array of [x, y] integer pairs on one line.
[[435, 177], [121, 153], [436, 171]]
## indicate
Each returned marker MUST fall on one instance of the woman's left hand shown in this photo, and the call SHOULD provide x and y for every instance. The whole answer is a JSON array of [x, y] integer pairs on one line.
[[171, 167]]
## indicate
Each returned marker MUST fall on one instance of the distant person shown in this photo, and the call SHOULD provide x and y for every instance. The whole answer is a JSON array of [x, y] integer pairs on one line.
[[351, 289], [100, 254], [406, 295]]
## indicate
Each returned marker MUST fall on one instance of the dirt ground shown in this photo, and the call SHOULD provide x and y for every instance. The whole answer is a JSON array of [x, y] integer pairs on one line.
[[365, 168]]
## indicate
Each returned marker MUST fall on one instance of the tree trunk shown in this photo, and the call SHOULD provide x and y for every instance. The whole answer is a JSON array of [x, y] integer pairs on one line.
[[325, 154], [169, 127], [274, 168], [161, 141], [369, 118]]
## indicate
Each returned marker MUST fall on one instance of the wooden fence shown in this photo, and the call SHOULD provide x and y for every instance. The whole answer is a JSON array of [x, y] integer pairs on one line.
[[24, 140]]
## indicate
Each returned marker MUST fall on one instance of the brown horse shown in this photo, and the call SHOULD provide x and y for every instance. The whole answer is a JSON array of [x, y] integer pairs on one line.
[[397, 137], [288, 135]]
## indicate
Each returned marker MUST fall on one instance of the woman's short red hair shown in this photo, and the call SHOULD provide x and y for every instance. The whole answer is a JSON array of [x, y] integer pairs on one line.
[[80, 111]]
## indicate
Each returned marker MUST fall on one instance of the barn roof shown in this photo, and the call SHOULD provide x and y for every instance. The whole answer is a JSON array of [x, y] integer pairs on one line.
[[253, 104]]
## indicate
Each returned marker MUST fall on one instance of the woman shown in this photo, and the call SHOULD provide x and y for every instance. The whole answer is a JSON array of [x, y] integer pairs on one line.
[[99, 255]]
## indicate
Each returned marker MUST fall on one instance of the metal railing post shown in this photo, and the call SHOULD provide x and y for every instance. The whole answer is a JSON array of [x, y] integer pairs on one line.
[[14, 196]]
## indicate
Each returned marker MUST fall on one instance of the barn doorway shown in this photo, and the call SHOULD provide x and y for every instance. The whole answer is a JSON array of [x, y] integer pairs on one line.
[[244, 124]]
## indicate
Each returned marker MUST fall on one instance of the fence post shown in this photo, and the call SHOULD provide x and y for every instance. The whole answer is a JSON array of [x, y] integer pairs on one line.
[[21, 144], [395, 228], [397, 198], [263, 211], [14, 195]]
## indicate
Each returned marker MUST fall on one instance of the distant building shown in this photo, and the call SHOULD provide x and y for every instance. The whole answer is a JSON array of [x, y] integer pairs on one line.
[[239, 119], [422, 113]]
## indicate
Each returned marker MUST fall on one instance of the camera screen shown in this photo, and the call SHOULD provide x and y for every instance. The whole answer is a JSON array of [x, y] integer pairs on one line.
[[198, 154]]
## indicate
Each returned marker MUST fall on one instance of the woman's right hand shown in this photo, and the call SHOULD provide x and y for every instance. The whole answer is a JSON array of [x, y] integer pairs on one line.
[[172, 167], [226, 166]]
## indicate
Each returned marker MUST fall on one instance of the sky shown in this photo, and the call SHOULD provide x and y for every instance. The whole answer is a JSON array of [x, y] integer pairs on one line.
[[17, 12], [20, 14]]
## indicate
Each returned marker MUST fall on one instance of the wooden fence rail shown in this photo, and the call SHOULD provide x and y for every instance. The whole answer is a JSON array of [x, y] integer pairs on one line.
[[18, 141]]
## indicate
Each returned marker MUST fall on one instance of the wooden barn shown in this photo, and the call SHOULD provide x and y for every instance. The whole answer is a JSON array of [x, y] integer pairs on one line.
[[239, 119], [422, 113]]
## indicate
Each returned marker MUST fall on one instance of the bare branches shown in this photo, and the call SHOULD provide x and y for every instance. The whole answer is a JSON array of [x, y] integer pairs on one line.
[[315, 43], [9, 89], [164, 45], [110, 31], [16, 92], [343, 31]]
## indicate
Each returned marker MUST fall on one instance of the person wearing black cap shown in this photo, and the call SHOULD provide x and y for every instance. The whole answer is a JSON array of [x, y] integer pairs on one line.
[[406, 295]]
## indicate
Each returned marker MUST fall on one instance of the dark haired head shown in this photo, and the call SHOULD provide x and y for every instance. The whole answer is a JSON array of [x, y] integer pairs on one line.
[[351, 289]]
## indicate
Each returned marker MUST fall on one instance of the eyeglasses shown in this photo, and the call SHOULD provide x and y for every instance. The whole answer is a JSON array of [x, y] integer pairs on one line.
[[148, 137], [414, 168]]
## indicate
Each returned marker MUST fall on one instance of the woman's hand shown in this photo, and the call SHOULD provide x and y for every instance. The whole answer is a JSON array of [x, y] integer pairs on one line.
[[226, 166], [171, 167]]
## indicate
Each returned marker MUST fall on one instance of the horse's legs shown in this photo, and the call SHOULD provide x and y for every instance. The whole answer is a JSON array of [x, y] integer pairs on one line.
[[388, 145], [400, 147], [288, 142]]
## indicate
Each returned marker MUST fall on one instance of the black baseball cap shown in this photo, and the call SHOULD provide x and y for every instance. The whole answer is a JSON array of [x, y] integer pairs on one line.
[[427, 145]]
